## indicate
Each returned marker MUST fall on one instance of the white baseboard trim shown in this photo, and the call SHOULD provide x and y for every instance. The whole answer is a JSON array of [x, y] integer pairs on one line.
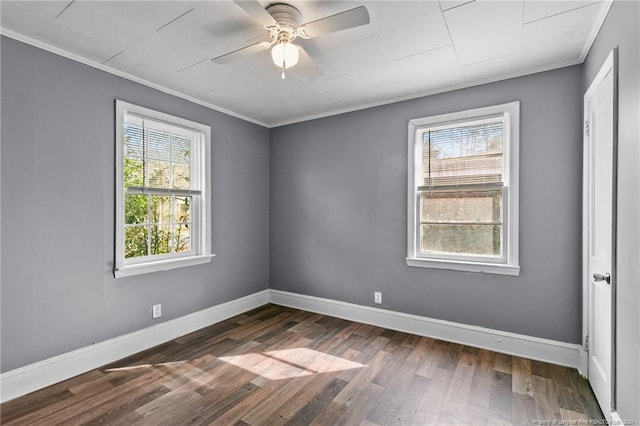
[[546, 350], [615, 419], [38, 375], [583, 363]]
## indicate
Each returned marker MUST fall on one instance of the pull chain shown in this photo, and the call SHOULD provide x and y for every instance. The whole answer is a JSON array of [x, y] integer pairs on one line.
[[283, 67]]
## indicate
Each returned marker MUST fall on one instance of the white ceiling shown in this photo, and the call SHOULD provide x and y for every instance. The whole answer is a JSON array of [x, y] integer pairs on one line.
[[410, 48]]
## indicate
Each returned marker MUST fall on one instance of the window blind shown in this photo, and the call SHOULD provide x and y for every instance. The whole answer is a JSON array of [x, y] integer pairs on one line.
[[157, 158], [458, 156]]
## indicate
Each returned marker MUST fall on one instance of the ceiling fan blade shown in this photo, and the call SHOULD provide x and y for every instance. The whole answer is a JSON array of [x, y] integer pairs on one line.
[[306, 67], [241, 53], [257, 12], [338, 22]]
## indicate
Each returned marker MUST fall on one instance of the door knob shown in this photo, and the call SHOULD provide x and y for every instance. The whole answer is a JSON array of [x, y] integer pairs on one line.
[[599, 277]]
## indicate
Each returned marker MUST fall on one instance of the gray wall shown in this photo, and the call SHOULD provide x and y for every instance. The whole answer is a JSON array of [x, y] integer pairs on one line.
[[58, 150], [621, 30], [338, 216]]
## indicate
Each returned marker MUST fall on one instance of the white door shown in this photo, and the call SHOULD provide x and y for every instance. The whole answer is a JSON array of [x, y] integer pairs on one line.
[[600, 172]]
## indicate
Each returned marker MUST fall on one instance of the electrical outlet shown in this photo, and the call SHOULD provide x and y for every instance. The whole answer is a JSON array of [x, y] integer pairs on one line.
[[377, 297], [156, 311]]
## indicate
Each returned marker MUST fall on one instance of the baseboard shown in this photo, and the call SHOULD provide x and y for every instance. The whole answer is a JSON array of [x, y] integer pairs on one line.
[[583, 363], [615, 419], [546, 350], [38, 375]]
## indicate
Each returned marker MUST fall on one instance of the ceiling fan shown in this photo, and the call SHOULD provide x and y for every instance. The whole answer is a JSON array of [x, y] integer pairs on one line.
[[283, 22]]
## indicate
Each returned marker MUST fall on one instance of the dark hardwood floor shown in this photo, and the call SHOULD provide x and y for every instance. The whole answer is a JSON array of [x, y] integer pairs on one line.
[[276, 365]]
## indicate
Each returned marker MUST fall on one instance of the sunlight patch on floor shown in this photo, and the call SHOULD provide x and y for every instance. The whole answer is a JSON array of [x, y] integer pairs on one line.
[[290, 363]]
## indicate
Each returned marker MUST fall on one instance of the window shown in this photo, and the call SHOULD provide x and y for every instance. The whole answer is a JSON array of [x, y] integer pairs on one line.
[[463, 191], [162, 191]]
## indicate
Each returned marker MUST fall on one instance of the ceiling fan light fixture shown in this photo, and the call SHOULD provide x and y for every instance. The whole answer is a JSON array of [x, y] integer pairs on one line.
[[285, 54]]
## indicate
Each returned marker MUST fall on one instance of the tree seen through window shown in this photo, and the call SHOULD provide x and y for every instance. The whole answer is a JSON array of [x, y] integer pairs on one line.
[[156, 164]]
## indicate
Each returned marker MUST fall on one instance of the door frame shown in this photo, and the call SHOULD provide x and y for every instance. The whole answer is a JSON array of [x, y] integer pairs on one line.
[[610, 65]]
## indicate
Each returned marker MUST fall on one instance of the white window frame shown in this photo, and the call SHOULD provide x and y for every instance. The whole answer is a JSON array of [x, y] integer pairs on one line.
[[509, 263], [201, 207]]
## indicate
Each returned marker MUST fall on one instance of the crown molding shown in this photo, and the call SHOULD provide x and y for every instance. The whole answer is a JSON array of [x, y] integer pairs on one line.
[[77, 58]]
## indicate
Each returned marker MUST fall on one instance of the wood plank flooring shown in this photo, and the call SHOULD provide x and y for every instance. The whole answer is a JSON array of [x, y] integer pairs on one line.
[[282, 366]]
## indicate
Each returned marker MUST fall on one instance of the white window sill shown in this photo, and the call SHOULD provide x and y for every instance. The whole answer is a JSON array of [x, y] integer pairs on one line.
[[161, 265], [456, 265]]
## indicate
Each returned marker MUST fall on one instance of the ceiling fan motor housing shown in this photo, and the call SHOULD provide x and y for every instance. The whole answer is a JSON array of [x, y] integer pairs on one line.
[[288, 19]]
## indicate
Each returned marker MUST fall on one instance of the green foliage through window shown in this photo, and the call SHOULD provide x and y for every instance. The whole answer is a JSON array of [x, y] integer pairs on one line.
[[156, 174]]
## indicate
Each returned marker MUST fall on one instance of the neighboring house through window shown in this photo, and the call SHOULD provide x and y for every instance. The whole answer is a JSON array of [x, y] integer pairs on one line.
[[463, 191], [162, 191]]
